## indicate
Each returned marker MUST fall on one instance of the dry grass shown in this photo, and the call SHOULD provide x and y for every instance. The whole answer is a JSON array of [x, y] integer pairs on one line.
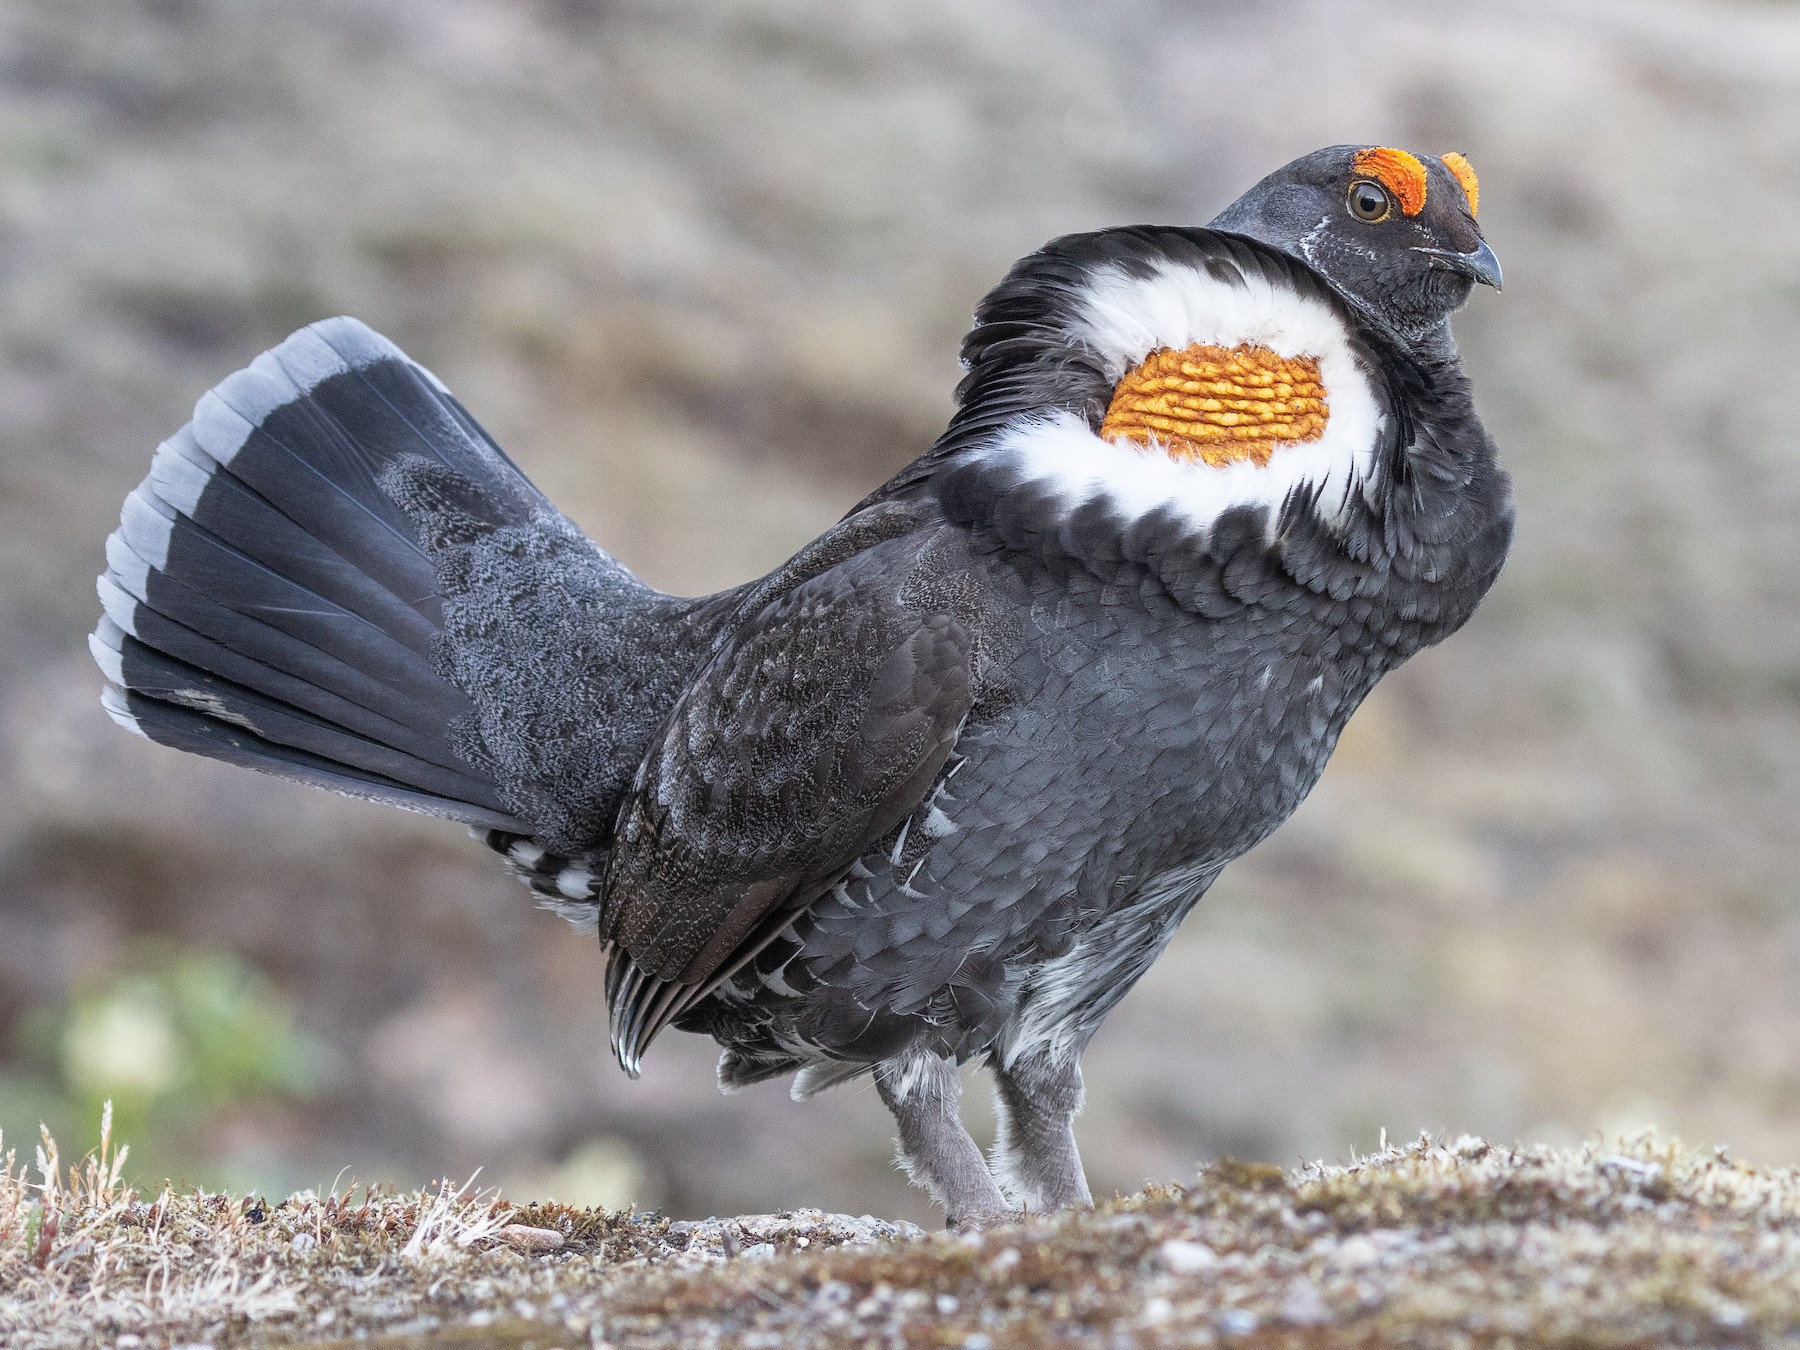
[[84, 1258], [1635, 1242]]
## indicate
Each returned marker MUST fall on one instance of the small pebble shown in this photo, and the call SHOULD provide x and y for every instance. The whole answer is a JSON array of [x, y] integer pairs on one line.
[[1637, 1167], [1181, 1257], [1303, 1305], [523, 1238]]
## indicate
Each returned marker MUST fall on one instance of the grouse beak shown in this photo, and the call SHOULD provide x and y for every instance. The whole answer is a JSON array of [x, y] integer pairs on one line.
[[1482, 265]]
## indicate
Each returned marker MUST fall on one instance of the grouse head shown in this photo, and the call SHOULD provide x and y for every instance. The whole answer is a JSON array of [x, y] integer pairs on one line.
[[1395, 233], [1290, 363]]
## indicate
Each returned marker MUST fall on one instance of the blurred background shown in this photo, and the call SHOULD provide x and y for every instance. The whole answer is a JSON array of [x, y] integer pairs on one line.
[[702, 268]]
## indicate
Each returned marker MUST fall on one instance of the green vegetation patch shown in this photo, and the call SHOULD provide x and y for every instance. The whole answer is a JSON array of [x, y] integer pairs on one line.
[[167, 1038], [1634, 1242]]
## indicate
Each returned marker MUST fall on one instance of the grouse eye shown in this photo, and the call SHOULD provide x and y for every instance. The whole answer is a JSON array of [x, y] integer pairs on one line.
[[1369, 201]]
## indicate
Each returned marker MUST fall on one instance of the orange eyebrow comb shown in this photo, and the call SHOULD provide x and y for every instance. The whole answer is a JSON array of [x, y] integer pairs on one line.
[[1465, 174], [1400, 173]]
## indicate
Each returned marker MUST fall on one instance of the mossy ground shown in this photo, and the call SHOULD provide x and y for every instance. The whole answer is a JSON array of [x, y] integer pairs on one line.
[[1634, 1242]]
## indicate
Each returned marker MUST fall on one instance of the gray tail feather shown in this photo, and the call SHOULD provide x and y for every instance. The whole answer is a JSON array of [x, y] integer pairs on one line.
[[267, 604]]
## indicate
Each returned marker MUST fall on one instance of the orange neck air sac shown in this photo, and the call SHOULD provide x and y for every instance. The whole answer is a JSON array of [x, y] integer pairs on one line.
[[1218, 405]]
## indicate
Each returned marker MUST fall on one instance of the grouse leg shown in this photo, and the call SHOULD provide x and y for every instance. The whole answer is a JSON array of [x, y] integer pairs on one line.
[[921, 1090], [1034, 1154]]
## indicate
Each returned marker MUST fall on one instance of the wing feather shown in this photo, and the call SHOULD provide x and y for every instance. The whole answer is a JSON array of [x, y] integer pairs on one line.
[[816, 731]]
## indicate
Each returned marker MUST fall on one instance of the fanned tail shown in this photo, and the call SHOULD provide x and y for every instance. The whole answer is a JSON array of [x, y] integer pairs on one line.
[[267, 604]]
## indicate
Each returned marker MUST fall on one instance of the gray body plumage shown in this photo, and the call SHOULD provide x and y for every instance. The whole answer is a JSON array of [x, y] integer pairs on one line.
[[939, 788]]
